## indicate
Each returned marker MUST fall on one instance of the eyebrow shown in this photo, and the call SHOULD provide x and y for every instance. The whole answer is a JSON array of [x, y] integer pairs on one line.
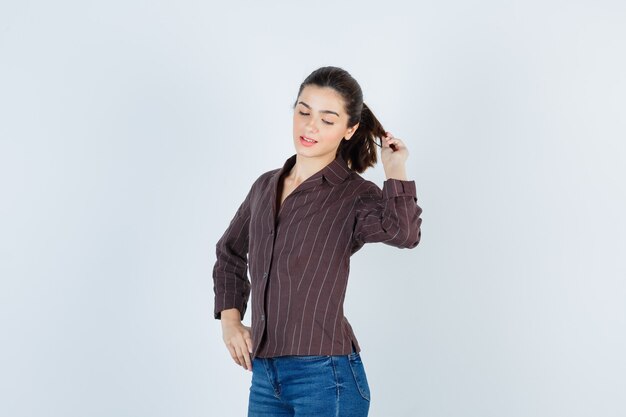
[[321, 111]]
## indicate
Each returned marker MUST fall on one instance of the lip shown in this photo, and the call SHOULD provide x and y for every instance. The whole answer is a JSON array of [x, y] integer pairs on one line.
[[305, 143], [306, 137]]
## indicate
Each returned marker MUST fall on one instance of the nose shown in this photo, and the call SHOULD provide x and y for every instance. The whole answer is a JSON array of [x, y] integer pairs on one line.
[[311, 125]]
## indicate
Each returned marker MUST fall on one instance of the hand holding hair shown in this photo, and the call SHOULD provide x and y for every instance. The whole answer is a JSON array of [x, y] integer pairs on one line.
[[394, 154]]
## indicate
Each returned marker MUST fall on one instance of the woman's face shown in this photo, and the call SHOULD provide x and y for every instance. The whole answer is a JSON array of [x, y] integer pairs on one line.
[[319, 115]]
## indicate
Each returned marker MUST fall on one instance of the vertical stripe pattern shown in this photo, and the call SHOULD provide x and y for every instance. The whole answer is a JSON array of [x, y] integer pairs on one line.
[[298, 256]]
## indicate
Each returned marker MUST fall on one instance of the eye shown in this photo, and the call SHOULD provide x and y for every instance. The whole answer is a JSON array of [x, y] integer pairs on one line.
[[306, 114]]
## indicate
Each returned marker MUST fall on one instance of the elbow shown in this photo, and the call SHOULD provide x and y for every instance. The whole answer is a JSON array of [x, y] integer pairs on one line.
[[416, 239], [415, 234], [414, 227], [409, 240], [407, 235]]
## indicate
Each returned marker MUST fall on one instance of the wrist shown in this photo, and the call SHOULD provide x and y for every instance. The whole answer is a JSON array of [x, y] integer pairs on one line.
[[230, 316], [398, 173]]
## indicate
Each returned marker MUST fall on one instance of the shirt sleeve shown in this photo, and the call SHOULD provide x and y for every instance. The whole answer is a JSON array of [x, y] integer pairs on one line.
[[230, 272], [390, 215]]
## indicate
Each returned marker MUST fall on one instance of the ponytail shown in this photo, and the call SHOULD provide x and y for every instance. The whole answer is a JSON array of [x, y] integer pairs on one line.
[[360, 150]]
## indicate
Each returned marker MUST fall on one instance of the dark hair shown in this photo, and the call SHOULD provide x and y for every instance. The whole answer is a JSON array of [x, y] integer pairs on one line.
[[360, 151]]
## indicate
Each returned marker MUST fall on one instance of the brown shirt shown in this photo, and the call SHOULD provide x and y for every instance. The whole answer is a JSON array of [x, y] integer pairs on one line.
[[299, 259]]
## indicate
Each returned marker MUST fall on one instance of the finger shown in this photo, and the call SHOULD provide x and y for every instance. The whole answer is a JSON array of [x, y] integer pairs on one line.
[[389, 142], [246, 348], [394, 141], [249, 343], [241, 356], [233, 354], [246, 357]]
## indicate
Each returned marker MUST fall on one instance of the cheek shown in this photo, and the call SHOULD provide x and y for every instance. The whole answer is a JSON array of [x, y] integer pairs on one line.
[[298, 123], [336, 133]]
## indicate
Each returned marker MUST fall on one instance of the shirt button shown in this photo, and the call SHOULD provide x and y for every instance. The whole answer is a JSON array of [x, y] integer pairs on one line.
[[265, 275], [262, 316]]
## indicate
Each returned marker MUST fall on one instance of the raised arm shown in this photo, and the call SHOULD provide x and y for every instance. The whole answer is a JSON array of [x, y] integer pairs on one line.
[[390, 215]]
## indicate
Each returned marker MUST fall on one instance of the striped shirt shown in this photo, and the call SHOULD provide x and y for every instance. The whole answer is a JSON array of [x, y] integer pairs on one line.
[[299, 258]]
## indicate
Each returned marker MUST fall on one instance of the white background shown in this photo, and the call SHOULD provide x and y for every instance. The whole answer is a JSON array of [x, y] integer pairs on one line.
[[130, 131]]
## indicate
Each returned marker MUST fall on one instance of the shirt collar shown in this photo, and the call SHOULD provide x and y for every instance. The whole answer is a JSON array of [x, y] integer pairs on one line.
[[334, 173]]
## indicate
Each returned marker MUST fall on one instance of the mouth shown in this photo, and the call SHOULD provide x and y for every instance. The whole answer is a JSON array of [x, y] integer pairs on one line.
[[309, 140]]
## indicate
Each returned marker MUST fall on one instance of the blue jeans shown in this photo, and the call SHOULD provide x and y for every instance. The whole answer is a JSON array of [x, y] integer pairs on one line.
[[320, 386]]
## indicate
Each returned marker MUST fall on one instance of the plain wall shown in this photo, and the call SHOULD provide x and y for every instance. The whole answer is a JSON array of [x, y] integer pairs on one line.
[[130, 131]]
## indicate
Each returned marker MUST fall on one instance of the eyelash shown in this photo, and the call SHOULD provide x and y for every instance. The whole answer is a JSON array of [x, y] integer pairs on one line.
[[306, 114]]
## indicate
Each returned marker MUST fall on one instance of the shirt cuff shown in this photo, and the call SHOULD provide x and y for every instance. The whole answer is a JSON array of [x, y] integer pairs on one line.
[[393, 187], [227, 302]]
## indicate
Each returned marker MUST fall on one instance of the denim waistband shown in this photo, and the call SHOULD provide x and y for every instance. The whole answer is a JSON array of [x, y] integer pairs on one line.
[[353, 354]]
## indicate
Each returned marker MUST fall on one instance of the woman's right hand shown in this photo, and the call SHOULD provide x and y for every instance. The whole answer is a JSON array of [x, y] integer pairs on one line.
[[238, 340]]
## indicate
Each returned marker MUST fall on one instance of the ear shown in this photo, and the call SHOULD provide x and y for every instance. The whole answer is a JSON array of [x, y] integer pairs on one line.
[[351, 131]]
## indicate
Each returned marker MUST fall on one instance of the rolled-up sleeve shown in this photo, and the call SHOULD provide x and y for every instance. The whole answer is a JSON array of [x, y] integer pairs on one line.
[[230, 272], [391, 215]]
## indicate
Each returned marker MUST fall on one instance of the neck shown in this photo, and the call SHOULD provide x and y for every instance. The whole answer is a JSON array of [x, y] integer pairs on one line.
[[306, 166]]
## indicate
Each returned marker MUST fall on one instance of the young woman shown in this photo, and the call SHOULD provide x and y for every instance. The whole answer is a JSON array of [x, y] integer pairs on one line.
[[296, 230]]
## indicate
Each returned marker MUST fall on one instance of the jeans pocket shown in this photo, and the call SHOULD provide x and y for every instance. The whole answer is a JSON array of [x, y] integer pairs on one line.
[[360, 377]]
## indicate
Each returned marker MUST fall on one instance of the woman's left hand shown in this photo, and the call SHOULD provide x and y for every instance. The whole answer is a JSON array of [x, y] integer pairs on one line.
[[393, 159]]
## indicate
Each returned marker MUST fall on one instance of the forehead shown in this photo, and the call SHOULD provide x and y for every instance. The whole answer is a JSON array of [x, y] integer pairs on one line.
[[321, 98]]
